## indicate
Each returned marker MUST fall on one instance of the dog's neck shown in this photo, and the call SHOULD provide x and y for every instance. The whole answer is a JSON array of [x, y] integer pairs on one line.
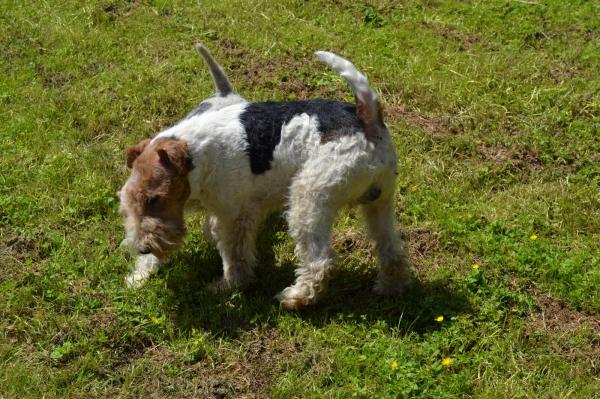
[[206, 135]]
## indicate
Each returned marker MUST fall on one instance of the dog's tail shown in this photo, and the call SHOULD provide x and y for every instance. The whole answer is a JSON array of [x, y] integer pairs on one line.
[[368, 108], [222, 84]]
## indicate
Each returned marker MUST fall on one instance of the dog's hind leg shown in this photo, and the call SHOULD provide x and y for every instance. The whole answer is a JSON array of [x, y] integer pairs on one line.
[[394, 272], [310, 217]]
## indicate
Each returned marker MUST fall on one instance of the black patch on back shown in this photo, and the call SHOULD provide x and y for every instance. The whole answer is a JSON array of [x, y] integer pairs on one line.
[[263, 121], [200, 109]]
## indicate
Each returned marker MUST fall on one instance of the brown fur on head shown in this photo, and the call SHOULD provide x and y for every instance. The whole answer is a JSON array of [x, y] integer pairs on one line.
[[153, 198]]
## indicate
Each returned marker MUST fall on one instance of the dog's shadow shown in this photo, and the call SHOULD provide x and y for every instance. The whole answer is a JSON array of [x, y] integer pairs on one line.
[[349, 298]]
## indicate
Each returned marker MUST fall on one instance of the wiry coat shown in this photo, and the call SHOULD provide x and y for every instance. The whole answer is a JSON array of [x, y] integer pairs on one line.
[[310, 158]]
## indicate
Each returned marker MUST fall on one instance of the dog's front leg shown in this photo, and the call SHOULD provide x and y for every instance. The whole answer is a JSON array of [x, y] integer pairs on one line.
[[236, 239], [144, 266], [210, 228]]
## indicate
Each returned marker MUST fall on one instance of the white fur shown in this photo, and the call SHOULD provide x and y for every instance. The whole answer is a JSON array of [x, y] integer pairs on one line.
[[144, 266], [357, 81], [218, 102]]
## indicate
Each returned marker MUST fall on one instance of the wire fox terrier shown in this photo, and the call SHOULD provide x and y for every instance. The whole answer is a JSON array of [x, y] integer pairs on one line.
[[242, 161]]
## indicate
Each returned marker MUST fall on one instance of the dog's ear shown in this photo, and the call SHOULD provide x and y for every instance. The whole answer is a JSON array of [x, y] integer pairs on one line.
[[174, 154], [134, 151]]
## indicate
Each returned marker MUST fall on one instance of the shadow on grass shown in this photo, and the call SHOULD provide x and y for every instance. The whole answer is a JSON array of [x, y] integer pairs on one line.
[[349, 298]]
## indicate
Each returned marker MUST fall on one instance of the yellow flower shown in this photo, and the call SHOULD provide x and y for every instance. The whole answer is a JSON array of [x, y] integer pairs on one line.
[[446, 362], [394, 365], [413, 189], [155, 320], [476, 266], [439, 319], [533, 237]]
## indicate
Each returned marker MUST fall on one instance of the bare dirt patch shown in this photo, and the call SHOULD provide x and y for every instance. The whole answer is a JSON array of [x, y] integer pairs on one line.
[[292, 76], [251, 372], [555, 316], [240, 369], [562, 323], [52, 79], [424, 249], [464, 40], [421, 243], [20, 253], [431, 124], [19, 248], [563, 71], [104, 318], [501, 154], [353, 241]]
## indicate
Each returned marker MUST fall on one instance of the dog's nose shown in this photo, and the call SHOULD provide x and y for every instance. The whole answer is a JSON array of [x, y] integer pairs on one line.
[[145, 251]]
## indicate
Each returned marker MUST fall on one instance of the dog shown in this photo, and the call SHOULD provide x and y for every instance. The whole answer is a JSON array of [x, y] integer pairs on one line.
[[243, 161]]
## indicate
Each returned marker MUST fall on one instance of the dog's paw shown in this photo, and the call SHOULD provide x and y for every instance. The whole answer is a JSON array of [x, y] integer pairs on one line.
[[144, 266], [296, 297], [229, 284], [136, 279], [392, 287], [220, 286]]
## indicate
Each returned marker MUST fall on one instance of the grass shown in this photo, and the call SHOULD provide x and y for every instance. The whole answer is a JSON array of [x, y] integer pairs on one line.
[[495, 110]]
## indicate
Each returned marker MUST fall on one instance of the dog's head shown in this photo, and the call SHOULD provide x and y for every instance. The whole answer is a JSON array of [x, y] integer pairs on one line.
[[153, 198]]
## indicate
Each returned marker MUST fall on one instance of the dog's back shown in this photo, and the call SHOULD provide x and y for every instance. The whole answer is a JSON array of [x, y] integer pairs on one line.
[[264, 123]]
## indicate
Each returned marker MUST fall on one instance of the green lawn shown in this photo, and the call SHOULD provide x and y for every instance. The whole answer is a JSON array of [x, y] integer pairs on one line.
[[495, 110]]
